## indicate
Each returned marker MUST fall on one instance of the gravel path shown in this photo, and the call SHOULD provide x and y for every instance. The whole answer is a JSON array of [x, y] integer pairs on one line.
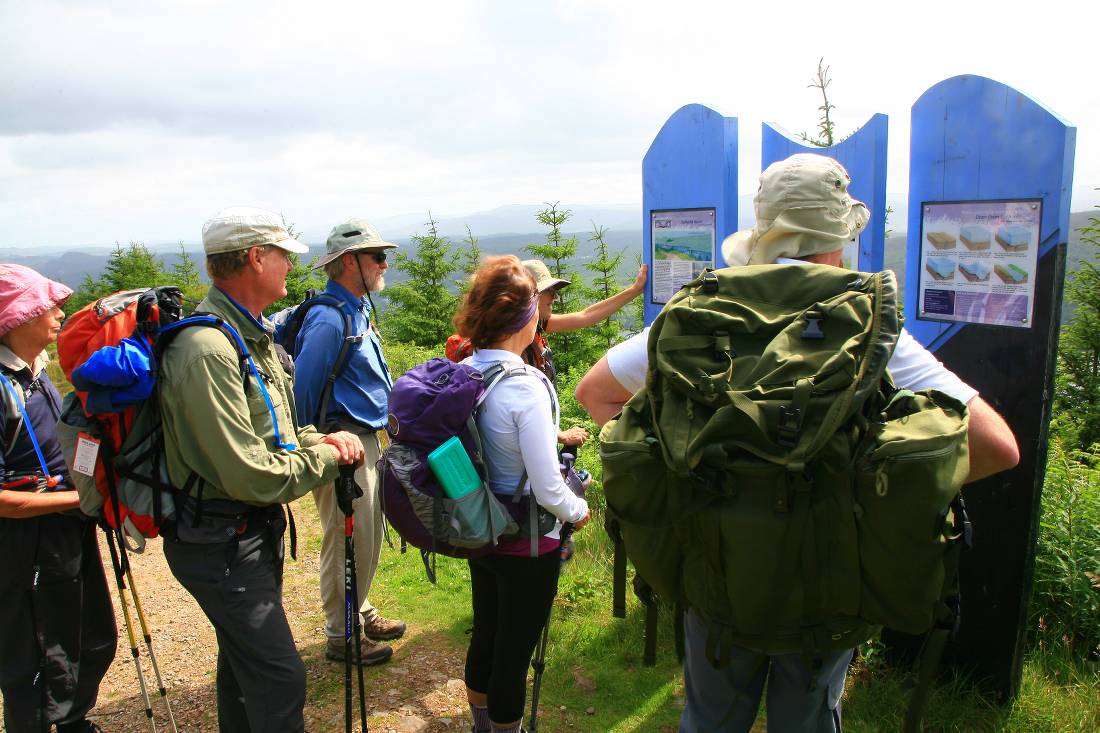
[[399, 701]]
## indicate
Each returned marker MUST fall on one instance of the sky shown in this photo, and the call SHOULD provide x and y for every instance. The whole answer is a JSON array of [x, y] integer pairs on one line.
[[136, 121]]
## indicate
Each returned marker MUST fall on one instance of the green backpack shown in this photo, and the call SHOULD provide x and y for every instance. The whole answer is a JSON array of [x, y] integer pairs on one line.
[[770, 476]]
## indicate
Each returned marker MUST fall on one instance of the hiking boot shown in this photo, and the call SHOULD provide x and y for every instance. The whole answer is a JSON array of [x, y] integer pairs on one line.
[[383, 629], [373, 652]]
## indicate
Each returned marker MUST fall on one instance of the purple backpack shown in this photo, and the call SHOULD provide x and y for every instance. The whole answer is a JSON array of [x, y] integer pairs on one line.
[[428, 405]]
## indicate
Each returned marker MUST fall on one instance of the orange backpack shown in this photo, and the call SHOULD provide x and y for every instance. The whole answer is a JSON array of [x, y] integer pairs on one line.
[[94, 436]]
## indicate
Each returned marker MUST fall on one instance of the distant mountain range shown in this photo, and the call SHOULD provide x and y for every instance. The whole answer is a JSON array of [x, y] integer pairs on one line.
[[512, 219], [71, 265]]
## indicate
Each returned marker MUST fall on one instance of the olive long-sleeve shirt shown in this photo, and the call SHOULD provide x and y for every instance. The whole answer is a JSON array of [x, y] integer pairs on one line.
[[222, 431]]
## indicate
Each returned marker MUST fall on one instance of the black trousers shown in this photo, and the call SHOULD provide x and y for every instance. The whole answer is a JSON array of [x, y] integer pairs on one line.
[[57, 626], [512, 597], [239, 586]]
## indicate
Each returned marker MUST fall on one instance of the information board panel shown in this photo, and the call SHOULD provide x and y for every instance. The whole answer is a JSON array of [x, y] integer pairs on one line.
[[978, 261], [683, 246]]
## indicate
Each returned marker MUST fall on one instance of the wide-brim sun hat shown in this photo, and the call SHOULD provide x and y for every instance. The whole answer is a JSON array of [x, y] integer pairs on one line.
[[544, 280], [802, 208], [25, 295], [243, 227], [354, 235]]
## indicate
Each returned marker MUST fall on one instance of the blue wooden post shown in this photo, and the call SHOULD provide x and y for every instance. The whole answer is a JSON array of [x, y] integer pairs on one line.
[[691, 164], [863, 154], [977, 140]]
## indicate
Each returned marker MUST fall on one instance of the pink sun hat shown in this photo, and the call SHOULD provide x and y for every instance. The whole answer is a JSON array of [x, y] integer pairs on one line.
[[25, 295]]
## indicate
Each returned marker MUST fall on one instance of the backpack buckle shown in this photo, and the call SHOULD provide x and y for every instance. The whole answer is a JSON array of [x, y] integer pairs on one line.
[[710, 282], [790, 425], [812, 329]]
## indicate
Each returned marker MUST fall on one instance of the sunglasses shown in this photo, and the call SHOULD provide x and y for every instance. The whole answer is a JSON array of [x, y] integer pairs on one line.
[[378, 257]]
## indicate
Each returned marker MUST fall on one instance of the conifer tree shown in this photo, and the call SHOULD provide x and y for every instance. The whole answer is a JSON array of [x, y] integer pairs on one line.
[[605, 283], [471, 258], [577, 348], [133, 267], [185, 275], [423, 306], [130, 267], [1077, 393], [300, 280]]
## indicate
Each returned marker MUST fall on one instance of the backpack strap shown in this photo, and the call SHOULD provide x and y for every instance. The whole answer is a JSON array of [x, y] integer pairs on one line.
[[18, 400], [13, 416], [247, 366], [947, 618], [342, 358], [289, 340], [246, 363], [494, 375]]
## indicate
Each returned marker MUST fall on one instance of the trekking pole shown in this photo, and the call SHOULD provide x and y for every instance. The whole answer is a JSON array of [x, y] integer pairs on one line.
[[346, 493], [358, 647], [116, 562], [148, 636], [539, 662]]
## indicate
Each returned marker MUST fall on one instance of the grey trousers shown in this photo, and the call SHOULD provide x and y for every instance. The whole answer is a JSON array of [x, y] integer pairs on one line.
[[239, 586], [726, 700]]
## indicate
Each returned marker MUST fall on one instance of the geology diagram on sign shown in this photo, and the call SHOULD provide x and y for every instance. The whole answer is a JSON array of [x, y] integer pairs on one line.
[[683, 246], [977, 260]]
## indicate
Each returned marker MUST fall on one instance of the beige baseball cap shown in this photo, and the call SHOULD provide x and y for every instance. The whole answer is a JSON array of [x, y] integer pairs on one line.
[[543, 279], [802, 208], [351, 236], [241, 227]]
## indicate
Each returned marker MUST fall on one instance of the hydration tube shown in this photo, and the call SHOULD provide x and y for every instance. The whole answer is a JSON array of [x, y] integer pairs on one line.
[[241, 348], [51, 481]]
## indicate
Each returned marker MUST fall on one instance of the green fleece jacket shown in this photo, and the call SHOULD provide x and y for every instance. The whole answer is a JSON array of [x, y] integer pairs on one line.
[[222, 432]]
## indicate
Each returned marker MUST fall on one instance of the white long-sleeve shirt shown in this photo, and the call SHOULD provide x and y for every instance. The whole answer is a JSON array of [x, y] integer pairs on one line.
[[519, 428]]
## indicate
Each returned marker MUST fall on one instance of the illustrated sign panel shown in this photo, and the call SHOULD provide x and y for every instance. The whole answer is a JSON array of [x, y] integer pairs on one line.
[[978, 261], [683, 246]]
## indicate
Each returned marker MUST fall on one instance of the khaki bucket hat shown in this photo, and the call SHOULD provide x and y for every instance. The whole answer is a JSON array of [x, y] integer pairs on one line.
[[352, 236], [242, 227], [802, 208], [543, 279]]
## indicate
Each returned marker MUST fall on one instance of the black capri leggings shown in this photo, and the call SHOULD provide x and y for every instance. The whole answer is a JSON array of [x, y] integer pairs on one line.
[[512, 597]]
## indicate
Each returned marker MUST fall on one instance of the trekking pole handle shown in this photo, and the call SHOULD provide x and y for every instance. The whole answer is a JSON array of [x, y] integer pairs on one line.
[[347, 490]]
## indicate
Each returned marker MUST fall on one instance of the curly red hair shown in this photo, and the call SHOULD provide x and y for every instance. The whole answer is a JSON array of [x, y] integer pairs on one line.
[[500, 293]]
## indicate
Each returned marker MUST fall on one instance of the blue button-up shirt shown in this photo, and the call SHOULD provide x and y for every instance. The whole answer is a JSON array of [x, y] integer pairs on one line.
[[361, 392]]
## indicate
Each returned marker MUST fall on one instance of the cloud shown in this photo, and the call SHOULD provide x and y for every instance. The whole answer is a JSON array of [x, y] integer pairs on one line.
[[137, 119]]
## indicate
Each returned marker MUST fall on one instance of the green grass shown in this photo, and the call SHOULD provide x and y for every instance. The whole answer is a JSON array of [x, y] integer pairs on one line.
[[595, 661], [1058, 693]]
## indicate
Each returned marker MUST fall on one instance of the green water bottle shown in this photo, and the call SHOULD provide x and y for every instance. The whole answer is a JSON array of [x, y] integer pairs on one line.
[[454, 469]]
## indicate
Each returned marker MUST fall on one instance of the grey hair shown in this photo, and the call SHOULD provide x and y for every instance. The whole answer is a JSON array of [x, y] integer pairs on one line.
[[335, 268]]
